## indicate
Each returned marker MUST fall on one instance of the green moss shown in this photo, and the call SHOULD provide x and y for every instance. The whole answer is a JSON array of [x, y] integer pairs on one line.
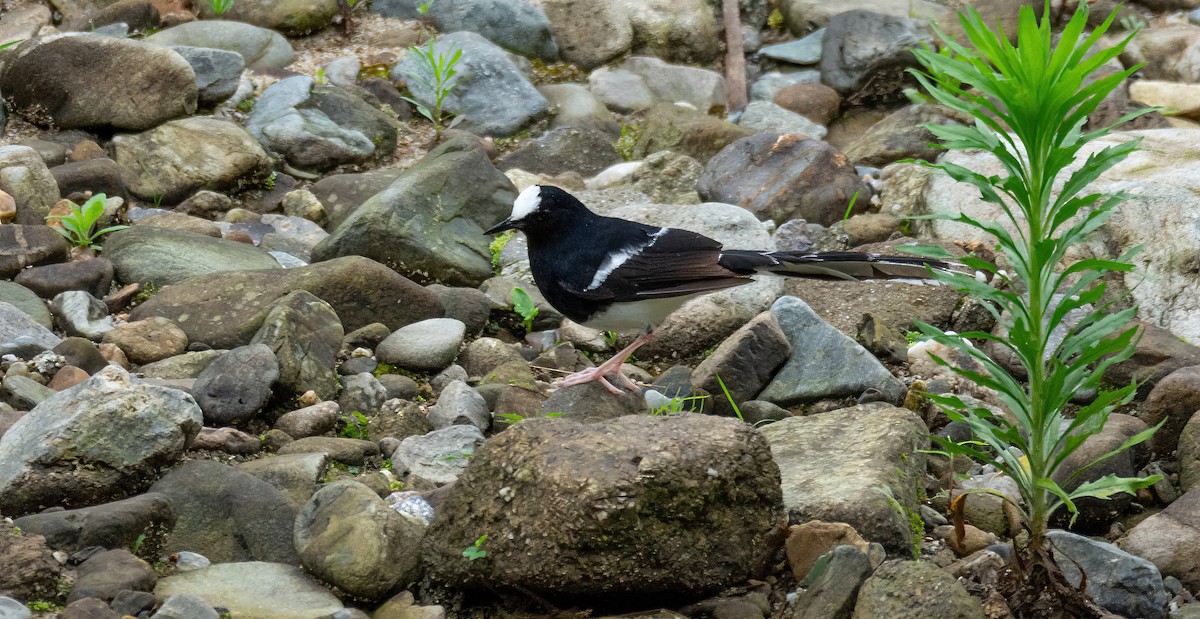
[[629, 137], [775, 20], [556, 73], [497, 246]]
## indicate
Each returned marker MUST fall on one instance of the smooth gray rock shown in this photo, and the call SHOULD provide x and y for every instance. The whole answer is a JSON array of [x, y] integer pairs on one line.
[[362, 393], [80, 81], [217, 71], [106, 573], [161, 164], [87, 429], [842, 368], [290, 17], [565, 149], [187, 365], [867, 53], [664, 82], [297, 476], [428, 224], [15, 323], [459, 404], [347, 536], [227, 514], [493, 96], [312, 420], [262, 48], [767, 117], [185, 606], [111, 525], [803, 51], [860, 465], [80, 314], [439, 456], [93, 276], [305, 334], [516, 25], [577, 107], [744, 362], [23, 393], [255, 589], [1170, 539], [237, 384], [348, 451], [589, 33], [834, 585], [769, 84], [225, 310], [319, 127], [36, 243], [12, 609], [1121, 583], [429, 345]]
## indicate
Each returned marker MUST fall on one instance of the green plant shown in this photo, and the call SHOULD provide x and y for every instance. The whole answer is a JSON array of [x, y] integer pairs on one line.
[[77, 227], [247, 104], [850, 207], [497, 246], [269, 181], [775, 20], [736, 410], [319, 78], [476, 550], [524, 307], [436, 74], [356, 425], [424, 6], [220, 7], [42, 606], [137, 543], [512, 418], [1029, 102], [689, 404], [4, 46]]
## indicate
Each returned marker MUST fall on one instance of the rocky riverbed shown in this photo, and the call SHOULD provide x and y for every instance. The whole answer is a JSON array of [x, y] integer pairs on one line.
[[296, 386]]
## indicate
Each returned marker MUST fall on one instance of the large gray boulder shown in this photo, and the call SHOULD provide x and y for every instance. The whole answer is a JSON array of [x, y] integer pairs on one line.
[[319, 127], [163, 163], [77, 81], [1117, 581], [15, 323], [261, 47], [1170, 539], [493, 96], [825, 363], [225, 310], [639, 506], [86, 430], [516, 25], [915, 590], [305, 334], [111, 525], [861, 465], [867, 54], [160, 256], [429, 223]]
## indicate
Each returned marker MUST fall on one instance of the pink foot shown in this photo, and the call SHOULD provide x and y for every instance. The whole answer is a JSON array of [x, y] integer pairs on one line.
[[612, 367]]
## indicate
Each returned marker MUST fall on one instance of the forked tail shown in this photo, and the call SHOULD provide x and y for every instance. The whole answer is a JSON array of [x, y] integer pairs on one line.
[[848, 265]]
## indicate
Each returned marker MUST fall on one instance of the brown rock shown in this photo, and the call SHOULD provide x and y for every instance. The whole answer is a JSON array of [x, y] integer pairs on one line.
[[813, 100], [1158, 353], [180, 221], [67, 376], [114, 355], [1189, 455], [149, 340], [22, 246], [311, 420], [85, 150], [1171, 540], [810, 540], [8, 208], [30, 570], [228, 440], [1173, 401], [974, 539]]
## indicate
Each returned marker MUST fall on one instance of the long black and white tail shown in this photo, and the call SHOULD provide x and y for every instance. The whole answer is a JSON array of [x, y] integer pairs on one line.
[[847, 265]]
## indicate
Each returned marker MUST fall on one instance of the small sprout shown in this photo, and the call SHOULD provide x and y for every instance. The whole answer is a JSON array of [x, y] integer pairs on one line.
[[523, 306], [77, 227], [476, 550], [736, 411], [220, 7], [436, 74], [356, 426]]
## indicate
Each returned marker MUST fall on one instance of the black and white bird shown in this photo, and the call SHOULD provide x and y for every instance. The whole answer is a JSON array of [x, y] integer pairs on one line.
[[619, 275]]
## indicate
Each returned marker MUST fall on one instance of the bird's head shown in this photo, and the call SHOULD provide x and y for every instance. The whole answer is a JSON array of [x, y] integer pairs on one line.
[[542, 208]]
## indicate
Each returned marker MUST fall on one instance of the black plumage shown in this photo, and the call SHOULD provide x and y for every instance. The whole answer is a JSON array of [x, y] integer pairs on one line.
[[617, 275]]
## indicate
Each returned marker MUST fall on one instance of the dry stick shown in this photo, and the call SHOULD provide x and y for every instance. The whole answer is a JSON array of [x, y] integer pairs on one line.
[[735, 60]]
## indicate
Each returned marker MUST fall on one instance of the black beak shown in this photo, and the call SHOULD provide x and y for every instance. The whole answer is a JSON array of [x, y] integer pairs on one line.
[[500, 227]]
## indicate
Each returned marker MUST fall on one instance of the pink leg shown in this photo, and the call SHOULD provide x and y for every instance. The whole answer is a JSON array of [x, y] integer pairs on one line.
[[610, 367]]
